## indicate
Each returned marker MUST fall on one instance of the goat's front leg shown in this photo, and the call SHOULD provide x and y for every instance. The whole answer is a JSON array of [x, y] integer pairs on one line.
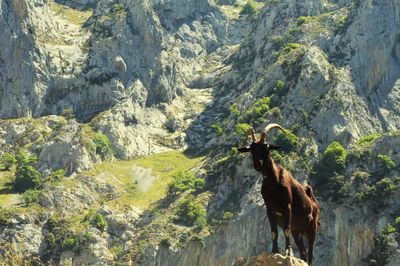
[[274, 230], [287, 214]]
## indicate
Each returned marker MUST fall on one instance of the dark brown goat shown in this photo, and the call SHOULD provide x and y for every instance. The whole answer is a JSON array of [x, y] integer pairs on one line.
[[289, 204]]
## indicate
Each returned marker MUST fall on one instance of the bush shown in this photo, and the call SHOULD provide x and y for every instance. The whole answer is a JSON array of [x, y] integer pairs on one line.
[[258, 109], [190, 212], [50, 240], [290, 47], [369, 139], [5, 216], [26, 176], [68, 113], [287, 141], [382, 247], [184, 180], [70, 242], [99, 222], [234, 110], [241, 129], [386, 162], [227, 216], [31, 196], [217, 129], [327, 172], [102, 144], [334, 157], [7, 160], [378, 192], [57, 175], [58, 125], [249, 9]]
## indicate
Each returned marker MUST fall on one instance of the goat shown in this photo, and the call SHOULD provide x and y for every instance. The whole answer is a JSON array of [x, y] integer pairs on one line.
[[289, 204]]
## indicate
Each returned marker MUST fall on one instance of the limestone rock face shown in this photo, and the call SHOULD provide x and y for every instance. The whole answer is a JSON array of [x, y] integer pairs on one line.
[[156, 75]]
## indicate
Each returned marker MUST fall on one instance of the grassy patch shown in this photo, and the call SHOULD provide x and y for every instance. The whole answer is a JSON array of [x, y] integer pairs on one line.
[[162, 165], [369, 139], [75, 16], [7, 196]]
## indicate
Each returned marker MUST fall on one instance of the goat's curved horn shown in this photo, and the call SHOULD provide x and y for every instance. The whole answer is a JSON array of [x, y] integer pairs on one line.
[[251, 132], [268, 129]]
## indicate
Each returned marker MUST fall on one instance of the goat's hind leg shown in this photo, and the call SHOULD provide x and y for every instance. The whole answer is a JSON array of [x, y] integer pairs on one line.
[[298, 239], [311, 239]]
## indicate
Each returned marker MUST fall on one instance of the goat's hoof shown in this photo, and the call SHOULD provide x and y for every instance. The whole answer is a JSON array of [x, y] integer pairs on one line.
[[289, 252], [275, 250]]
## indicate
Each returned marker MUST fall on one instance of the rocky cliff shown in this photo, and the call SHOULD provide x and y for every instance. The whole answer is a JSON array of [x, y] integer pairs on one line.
[[84, 84]]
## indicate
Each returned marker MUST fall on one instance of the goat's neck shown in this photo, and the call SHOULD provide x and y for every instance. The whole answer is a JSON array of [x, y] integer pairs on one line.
[[270, 170]]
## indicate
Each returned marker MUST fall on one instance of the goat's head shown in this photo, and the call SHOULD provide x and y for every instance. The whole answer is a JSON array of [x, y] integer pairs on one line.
[[260, 149]]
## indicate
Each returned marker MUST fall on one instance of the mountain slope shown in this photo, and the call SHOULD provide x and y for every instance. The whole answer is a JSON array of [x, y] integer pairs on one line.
[[97, 81]]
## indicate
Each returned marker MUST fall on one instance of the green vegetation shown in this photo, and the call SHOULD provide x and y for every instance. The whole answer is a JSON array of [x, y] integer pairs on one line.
[[5, 216], [117, 7], [378, 192], [254, 115], [290, 47], [227, 216], [190, 212], [70, 242], [258, 109], [382, 246], [7, 160], [217, 129], [68, 113], [335, 157], [183, 181], [73, 15], [26, 176], [57, 175], [327, 173], [102, 144], [249, 9], [369, 139], [59, 124], [287, 141], [241, 129], [99, 222], [301, 20], [234, 110], [386, 162], [162, 165], [31, 196]]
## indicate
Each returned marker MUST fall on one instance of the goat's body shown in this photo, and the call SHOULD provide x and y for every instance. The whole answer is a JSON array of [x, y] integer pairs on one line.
[[280, 190], [290, 205]]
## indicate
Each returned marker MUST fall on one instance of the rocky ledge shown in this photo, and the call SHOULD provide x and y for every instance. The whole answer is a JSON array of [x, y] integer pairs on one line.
[[270, 260]]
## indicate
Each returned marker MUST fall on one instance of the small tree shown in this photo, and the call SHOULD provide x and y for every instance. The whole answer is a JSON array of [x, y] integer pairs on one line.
[[190, 212], [7, 160], [31, 196], [102, 144], [99, 222], [185, 180], [327, 173], [26, 176]]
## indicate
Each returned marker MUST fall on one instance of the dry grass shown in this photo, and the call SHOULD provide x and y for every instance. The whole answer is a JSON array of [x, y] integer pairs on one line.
[[75, 16]]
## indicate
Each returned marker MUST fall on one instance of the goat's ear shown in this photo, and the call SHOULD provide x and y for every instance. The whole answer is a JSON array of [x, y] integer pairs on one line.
[[273, 147], [244, 149]]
